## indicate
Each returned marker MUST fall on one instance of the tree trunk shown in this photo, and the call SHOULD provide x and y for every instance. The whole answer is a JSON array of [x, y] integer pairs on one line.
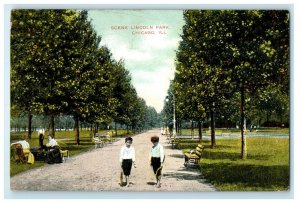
[[96, 129], [59, 123], [76, 128], [29, 125], [66, 124], [192, 129], [52, 131], [242, 127], [268, 118], [212, 124], [200, 131], [116, 130], [180, 128]]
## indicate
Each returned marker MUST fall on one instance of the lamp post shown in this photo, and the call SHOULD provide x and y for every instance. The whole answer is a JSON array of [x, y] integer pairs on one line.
[[174, 117]]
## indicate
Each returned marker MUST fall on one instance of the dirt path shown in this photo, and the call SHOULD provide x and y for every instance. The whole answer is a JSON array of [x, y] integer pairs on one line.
[[99, 169]]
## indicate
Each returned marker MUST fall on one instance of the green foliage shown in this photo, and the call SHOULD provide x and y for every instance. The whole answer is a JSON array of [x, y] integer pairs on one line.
[[187, 145], [229, 57], [221, 49], [58, 68]]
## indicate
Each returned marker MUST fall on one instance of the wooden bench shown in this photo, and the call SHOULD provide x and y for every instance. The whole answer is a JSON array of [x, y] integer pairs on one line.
[[169, 138], [174, 143], [102, 140], [194, 156], [98, 142], [64, 153]]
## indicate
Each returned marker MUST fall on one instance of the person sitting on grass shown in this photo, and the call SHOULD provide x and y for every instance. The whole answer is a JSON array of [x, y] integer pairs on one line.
[[127, 158]]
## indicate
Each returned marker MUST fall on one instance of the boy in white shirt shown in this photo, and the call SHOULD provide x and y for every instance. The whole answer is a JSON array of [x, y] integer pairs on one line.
[[127, 158], [156, 158]]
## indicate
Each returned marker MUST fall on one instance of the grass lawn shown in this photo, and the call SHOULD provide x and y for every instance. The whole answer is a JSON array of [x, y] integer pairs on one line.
[[65, 139], [265, 169]]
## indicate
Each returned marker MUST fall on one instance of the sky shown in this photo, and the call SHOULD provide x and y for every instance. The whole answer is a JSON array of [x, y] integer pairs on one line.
[[147, 40]]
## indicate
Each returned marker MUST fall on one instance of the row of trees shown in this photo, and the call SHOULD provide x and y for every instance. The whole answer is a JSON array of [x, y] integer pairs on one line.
[[232, 62], [58, 67]]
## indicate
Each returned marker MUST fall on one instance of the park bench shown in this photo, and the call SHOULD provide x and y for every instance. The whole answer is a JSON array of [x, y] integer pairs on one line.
[[98, 141], [174, 143], [102, 140], [169, 138], [64, 154], [194, 156]]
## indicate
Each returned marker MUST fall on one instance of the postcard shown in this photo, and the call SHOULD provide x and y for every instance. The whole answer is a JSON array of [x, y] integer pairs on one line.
[[150, 100]]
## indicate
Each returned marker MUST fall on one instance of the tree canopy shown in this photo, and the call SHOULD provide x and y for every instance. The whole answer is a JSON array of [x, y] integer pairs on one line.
[[58, 67], [231, 57]]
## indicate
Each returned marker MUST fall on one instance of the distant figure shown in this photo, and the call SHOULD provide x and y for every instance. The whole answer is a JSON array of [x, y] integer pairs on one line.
[[127, 158], [157, 159], [41, 141], [161, 130]]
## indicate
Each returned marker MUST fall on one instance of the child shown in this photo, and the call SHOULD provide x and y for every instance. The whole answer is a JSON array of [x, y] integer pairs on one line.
[[157, 158], [127, 158]]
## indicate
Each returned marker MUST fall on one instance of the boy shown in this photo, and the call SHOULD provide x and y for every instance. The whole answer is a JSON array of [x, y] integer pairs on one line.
[[157, 158], [127, 158]]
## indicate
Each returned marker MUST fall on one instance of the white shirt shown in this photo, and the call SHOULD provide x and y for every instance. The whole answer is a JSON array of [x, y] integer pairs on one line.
[[127, 153], [157, 151], [52, 142]]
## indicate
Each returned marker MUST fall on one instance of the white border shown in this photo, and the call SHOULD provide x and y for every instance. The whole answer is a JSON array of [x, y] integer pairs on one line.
[[155, 4]]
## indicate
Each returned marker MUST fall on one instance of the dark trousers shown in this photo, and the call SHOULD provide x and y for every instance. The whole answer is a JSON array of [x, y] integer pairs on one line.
[[155, 162], [126, 166]]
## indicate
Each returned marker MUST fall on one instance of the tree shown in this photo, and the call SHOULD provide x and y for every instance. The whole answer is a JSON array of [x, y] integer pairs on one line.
[[31, 31], [122, 91], [58, 60], [201, 80], [234, 51]]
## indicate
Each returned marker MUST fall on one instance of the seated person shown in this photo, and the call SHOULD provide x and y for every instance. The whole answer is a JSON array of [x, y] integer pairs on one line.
[[25, 150], [41, 141], [25, 146], [53, 155], [51, 142]]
